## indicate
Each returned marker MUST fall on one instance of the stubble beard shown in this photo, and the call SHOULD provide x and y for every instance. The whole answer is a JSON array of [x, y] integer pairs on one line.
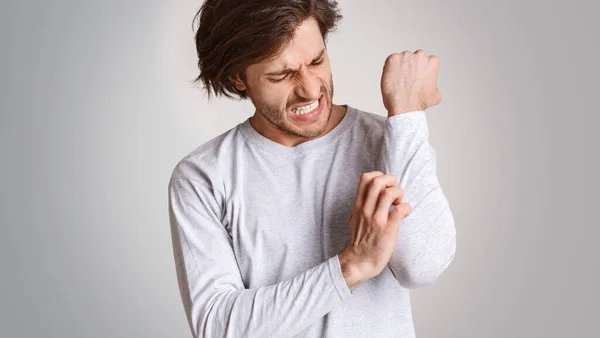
[[276, 117]]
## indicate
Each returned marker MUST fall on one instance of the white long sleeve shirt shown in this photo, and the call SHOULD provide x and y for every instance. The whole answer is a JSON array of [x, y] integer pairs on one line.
[[257, 227]]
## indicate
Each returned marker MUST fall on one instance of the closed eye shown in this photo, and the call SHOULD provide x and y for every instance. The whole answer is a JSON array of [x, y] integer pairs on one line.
[[279, 79], [316, 63]]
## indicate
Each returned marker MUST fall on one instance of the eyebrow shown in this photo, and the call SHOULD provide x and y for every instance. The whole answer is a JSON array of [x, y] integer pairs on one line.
[[289, 70]]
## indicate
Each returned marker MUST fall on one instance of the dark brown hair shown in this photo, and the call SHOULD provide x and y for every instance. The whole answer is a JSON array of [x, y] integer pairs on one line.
[[233, 34]]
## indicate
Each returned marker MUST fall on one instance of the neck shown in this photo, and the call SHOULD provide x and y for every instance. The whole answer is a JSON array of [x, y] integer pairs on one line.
[[266, 129]]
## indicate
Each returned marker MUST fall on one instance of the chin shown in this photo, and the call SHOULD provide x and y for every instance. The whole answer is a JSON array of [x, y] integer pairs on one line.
[[319, 127]]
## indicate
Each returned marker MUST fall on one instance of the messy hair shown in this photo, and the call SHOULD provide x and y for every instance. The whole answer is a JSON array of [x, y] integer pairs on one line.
[[233, 34]]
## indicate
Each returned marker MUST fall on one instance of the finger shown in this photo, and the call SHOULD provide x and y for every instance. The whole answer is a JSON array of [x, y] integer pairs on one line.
[[433, 64], [365, 179], [434, 59], [374, 188], [433, 94], [399, 213], [386, 199], [436, 98]]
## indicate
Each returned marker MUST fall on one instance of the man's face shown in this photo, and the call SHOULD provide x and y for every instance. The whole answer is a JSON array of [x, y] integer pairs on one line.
[[300, 77]]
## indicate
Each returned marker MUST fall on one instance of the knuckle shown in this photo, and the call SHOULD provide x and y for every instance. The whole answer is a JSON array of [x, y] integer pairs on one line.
[[364, 177], [373, 185], [367, 176], [379, 220], [377, 182], [392, 193], [391, 58], [387, 194]]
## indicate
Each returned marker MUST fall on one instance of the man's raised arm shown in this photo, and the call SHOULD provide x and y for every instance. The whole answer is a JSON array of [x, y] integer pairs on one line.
[[426, 243]]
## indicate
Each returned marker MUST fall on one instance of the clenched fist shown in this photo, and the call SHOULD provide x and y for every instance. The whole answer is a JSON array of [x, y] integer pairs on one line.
[[409, 82]]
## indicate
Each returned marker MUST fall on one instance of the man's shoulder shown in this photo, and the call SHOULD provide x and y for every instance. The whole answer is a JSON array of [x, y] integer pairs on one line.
[[370, 117], [203, 163], [369, 121]]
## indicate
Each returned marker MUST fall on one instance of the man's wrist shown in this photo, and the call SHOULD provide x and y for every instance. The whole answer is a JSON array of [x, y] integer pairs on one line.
[[350, 270], [400, 111]]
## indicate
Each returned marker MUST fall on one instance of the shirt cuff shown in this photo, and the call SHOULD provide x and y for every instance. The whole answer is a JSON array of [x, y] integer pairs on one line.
[[337, 278], [411, 116]]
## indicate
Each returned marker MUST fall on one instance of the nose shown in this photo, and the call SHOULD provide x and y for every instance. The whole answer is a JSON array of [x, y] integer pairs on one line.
[[309, 85]]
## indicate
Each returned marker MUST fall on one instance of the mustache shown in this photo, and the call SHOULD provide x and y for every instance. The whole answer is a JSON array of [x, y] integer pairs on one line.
[[324, 91]]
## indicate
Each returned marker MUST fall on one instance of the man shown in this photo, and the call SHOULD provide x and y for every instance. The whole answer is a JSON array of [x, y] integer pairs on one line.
[[309, 219]]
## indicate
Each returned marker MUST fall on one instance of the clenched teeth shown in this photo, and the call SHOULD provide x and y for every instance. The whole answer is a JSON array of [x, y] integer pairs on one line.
[[306, 109]]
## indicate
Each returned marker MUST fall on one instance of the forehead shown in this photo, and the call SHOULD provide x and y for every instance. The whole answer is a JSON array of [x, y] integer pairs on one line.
[[303, 48]]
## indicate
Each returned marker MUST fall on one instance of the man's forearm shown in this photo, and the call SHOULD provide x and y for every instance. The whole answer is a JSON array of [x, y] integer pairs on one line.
[[277, 310], [427, 239]]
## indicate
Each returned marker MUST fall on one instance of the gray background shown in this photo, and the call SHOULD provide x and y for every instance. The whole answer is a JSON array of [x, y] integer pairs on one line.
[[97, 107]]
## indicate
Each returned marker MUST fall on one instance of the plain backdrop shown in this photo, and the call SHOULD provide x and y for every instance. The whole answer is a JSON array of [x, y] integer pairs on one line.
[[97, 106]]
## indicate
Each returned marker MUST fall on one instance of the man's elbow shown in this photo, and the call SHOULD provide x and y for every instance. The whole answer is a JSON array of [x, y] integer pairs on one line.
[[424, 274]]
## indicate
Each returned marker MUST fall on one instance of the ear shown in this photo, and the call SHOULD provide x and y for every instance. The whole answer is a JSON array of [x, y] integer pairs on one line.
[[237, 82]]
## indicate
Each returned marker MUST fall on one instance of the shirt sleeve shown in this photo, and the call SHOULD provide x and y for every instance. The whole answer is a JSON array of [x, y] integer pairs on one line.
[[426, 242], [214, 297]]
